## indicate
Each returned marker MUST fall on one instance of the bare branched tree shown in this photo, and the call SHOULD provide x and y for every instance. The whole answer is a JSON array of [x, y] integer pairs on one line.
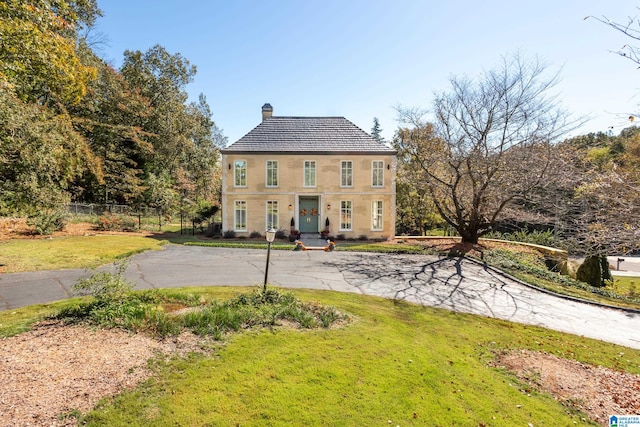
[[599, 203], [631, 28], [490, 142]]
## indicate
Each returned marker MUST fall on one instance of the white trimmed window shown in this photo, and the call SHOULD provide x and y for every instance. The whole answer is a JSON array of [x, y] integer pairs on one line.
[[376, 215], [240, 215], [309, 173], [377, 173], [272, 214], [272, 173], [346, 215], [240, 173], [346, 173]]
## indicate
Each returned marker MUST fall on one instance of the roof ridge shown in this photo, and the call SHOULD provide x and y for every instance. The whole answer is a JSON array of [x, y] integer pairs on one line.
[[305, 134]]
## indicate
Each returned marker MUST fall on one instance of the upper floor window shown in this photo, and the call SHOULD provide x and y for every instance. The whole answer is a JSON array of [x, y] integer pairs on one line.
[[376, 215], [346, 173], [240, 173], [309, 173], [272, 173], [377, 173]]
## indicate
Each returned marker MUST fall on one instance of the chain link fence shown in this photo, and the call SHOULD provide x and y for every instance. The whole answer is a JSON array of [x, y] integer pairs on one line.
[[145, 217], [98, 209]]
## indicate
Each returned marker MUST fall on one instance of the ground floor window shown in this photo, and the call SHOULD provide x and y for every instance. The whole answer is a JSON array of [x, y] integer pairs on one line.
[[346, 215], [240, 217], [376, 215], [272, 214]]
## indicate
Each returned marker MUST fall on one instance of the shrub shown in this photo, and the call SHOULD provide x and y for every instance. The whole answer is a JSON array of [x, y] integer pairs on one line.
[[109, 222], [542, 238], [514, 262], [205, 212], [340, 237], [594, 271], [229, 234], [106, 286], [281, 234], [255, 234], [47, 221], [363, 237]]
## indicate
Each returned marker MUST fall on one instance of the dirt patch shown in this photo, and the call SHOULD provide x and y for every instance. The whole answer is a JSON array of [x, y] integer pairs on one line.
[[17, 228], [598, 392], [55, 370], [455, 247]]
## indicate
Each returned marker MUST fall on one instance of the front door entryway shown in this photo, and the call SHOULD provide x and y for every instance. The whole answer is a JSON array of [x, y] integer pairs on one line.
[[308, 214]]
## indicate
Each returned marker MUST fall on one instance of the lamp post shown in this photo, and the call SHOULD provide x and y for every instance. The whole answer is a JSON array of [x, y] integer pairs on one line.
[[271, 235]]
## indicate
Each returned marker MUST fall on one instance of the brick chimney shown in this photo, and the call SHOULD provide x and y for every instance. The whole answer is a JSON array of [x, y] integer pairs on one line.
[[267, 111]]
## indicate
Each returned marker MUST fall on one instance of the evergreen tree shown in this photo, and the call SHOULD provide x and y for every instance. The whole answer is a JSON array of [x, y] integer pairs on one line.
[[376, 131]]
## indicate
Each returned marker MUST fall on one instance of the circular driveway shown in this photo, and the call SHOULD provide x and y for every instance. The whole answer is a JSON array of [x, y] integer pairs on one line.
[[451, 283]]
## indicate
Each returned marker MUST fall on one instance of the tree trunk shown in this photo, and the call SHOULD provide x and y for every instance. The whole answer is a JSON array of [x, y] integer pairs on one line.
[[469, 235]]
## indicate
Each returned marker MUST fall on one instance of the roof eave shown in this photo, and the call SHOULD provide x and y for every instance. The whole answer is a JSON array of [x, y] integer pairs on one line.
[[307, 152]]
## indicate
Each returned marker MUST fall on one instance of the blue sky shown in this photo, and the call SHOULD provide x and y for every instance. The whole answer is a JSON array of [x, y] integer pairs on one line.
[[359, 59]]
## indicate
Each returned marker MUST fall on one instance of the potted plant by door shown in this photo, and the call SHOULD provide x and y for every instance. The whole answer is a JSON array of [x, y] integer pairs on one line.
[[325, 233], [294, 234]]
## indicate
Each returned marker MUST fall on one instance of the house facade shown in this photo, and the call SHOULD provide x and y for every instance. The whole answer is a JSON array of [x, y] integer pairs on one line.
[[309, 174]]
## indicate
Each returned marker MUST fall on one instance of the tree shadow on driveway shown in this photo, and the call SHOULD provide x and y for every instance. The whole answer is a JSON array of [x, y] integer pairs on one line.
[[454, 283]]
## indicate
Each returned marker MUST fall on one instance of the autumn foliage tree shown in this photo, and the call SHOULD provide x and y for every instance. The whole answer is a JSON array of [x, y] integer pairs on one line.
[[72, 127], [38, 49], [40, 75], [600, 211]]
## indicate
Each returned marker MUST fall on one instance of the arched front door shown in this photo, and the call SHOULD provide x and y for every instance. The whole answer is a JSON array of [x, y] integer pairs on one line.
[[308, 214]]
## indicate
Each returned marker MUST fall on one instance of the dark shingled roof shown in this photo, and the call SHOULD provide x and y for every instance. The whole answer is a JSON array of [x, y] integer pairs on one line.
[[307, 135]]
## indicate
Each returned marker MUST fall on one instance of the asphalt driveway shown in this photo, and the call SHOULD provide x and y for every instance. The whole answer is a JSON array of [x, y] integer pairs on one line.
[[451, 283]]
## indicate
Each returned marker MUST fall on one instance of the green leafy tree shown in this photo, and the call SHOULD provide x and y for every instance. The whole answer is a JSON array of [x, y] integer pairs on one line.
[[184, 137], [162, 77], [160, 192], [199, 171], [40, 156]]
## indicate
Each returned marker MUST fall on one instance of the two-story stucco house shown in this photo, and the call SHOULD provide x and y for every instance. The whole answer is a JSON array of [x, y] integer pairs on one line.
[[305, 172]]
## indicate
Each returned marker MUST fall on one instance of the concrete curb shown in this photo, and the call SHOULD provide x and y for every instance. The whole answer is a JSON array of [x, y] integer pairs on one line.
[[548, 292]]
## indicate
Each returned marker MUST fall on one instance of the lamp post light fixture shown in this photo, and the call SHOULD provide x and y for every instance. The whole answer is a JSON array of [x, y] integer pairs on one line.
[[271, 235]]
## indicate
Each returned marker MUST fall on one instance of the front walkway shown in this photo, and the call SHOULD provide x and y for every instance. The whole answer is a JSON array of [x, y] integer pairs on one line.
[[313, 240]]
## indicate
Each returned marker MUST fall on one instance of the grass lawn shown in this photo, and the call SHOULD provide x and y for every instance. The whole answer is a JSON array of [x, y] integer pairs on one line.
[[70, 252], [626, 285], [394, 364]]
